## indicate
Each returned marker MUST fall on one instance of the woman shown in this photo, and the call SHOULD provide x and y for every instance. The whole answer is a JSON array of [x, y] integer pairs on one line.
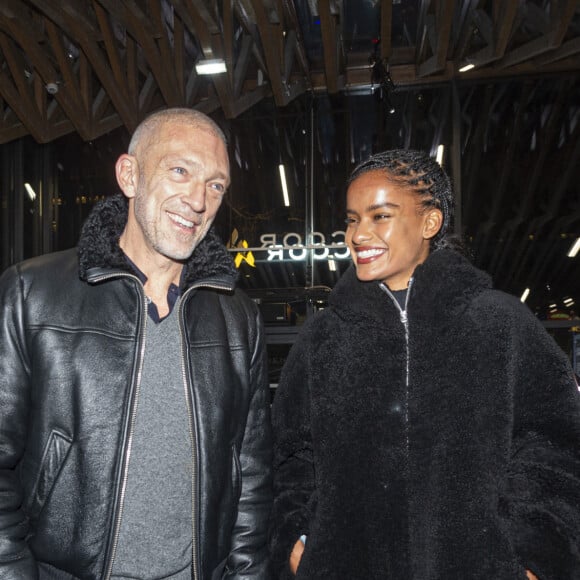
[[427, 427]]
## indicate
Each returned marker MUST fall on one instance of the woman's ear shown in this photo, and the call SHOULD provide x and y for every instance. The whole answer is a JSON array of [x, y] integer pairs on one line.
[[432, 224], [127, 173]]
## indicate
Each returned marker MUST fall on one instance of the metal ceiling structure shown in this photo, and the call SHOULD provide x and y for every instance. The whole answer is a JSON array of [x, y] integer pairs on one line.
[[510, 124]]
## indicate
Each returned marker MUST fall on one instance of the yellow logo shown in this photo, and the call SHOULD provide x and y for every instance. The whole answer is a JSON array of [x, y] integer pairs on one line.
[[235, 242]]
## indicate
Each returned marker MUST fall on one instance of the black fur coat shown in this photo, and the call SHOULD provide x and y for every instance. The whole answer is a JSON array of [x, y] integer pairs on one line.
[[458, 462]]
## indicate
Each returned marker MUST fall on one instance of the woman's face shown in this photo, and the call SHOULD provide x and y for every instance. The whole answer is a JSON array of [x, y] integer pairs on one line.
[[387, 231]]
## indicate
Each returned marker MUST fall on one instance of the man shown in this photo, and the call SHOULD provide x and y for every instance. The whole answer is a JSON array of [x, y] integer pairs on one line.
[[134, 414]]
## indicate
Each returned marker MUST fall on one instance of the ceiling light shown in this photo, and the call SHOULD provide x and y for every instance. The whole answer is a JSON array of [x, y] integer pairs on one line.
[[210, 66], [574, 249], [440, 151], [525, 295], [284, 185], [467, 67]]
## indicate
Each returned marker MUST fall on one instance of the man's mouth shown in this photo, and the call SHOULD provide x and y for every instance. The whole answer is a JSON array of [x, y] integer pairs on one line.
[[180, 220]]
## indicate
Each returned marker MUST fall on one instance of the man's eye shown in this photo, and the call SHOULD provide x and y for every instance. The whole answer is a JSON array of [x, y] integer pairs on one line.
[[218, 187], [180, 170], [382, 216]]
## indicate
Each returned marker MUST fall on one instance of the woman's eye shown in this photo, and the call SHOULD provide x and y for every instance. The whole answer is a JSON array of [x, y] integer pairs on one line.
[[349, 221], [382, 216]]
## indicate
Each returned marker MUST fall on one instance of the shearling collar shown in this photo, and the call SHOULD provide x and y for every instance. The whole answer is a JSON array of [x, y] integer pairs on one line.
[[446, 280], [99, 246]]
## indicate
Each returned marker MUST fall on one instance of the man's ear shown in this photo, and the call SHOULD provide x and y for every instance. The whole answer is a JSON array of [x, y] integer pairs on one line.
[[127, 173], [432, 224]]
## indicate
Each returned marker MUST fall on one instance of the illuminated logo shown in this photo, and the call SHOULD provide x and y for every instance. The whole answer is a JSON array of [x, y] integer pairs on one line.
[[235, 242], [290, 246]]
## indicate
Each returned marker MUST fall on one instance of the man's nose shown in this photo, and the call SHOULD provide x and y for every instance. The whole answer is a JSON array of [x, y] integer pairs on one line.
[[196, 197]]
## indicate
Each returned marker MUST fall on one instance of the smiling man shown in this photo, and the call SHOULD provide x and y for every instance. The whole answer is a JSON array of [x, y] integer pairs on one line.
[[134, 406]]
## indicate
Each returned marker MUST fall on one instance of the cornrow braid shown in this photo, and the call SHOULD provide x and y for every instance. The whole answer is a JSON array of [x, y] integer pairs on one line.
[[420, 172]]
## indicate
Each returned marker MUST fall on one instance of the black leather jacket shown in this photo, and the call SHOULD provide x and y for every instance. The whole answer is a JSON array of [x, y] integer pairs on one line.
[[70, 360]]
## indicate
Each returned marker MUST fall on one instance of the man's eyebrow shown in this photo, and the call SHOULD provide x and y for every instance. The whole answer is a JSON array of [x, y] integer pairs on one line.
[[192, 162]]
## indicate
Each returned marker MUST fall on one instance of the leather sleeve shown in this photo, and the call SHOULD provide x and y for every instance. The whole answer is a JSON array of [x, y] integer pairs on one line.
[[248, 558], [16, 561]]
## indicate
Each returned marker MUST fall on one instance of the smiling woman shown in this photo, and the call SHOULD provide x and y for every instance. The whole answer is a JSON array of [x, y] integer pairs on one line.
[[422, 420]]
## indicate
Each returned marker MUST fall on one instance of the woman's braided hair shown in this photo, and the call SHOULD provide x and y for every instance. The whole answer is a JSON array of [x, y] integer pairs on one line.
[[422, 174]]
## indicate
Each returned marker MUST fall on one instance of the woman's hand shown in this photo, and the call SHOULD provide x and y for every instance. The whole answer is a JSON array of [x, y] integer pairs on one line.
[[296, 556], [531, 576]]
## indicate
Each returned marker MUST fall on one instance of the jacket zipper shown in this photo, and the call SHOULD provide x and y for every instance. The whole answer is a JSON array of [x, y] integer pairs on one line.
[[193, 439], [405, 321], [192, 428], [132, 414]]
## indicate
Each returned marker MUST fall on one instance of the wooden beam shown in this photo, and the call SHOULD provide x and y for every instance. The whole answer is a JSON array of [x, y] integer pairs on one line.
[[330, 44], [443, 21], [560, 20], [271, 37], [386, 29], [64, 96], [136, 23], [17, 94]]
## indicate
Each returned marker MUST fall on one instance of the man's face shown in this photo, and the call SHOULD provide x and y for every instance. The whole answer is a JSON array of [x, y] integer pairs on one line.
[[387, 234], [182, 176]]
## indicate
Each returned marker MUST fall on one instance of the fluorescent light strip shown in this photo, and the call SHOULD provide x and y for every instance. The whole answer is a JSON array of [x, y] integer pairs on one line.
[[525, 295], [467, 67], [210, 66], [574, 249], [440, 152], [284, 186], [31, 193]]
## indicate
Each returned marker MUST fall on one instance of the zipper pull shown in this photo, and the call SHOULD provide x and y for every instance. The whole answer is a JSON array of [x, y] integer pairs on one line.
[[403, 315]]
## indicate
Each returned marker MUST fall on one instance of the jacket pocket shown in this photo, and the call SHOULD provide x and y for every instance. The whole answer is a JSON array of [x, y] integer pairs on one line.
[[54, 455]]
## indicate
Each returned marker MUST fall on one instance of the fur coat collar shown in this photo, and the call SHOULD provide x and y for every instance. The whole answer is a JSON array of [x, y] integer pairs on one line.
[[445, 278], [99, 246]]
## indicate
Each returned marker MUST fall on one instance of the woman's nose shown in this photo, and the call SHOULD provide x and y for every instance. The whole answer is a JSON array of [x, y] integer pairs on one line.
[[362, 233]]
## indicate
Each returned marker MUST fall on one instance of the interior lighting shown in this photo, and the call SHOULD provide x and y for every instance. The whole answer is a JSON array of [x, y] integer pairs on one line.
[[440, 152], [284, 185], [31, 193], [467, 67], [210, 66], [574, 249], [525, 295], [332, 265], [553, 306]]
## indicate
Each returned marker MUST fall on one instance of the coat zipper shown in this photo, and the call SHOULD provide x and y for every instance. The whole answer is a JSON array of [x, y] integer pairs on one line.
[[132, 414], [192, 420], [129, 445], [193, 439], [405, 321]]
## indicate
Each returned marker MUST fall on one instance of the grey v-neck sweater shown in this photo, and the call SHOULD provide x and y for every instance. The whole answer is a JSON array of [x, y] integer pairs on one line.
[[156, 528]]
